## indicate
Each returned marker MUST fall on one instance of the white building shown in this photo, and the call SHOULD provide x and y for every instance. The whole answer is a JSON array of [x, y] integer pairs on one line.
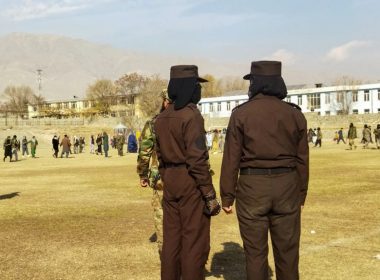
[[334, 100]]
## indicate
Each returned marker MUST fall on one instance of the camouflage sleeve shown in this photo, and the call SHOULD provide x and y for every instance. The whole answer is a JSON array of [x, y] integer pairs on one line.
[[146, 149]]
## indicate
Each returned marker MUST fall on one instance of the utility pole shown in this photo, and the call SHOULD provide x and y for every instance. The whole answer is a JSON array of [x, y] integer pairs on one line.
[[39, 81]]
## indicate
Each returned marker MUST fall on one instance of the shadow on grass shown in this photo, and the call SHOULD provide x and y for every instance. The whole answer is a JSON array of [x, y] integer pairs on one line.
[[9, 195], [230, 263]]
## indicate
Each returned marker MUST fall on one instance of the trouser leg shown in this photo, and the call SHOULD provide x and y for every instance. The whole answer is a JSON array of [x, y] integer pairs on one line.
[[285, 227], [195, 237], [253, 202], [158, 217], [170, 261]]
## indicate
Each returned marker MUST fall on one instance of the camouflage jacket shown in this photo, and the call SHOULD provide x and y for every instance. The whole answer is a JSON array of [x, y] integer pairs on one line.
[[147, 163], [352, 133]]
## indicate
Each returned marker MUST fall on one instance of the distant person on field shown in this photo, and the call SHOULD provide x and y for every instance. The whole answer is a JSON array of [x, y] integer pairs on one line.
[[366, 136], [105, 144], [99, 142], [55, 143], [65, 143], [15, 147], [351, 136], [132, 143], [310, 135], [33, 146], [318, 142], [376, 132], [24, 146], [340, 136], [7, 148]]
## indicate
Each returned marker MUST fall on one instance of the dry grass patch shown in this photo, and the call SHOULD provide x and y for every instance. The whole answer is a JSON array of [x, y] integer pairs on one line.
[[86, 218]]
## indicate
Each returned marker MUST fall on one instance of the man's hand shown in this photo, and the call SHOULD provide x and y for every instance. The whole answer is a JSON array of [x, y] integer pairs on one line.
[[144, 182], [227, 210]]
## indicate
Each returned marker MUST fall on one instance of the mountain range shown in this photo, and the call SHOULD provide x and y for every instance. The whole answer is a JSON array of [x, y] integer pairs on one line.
[[68, 65]]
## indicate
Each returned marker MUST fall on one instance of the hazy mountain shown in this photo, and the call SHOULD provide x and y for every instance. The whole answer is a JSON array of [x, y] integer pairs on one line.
[[69, 65]]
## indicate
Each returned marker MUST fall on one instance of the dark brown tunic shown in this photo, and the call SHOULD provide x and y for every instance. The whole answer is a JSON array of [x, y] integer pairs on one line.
[[264, 134], [183, 157]]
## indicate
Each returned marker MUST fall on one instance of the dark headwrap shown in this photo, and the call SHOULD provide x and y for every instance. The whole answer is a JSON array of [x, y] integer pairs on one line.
[[184, 85], [184, 91], [265, 78]]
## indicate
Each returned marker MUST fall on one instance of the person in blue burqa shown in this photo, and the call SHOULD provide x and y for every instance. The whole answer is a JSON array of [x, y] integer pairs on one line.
[[132, 143]]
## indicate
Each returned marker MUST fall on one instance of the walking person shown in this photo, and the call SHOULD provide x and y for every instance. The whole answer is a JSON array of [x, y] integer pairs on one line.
[[65, 143], [147, 169], [366, 136], [55, 143], [92, 144], [33, 146], [376, 132], [7, 146], [105, 144], [351, 136], [99, 142], [24, 147], [15, 147], [189, 196], [340, 136], [274, 168], [318, 142]]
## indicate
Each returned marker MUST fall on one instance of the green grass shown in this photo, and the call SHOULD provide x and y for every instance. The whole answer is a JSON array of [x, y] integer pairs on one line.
[[87, 218]]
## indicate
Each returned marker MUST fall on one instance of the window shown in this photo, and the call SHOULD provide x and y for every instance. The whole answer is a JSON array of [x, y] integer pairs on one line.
[[299, 100], [287, 99], [85, 104], [73, 105], [327, 98], [66, 105], [313, 101], [327, 113], [366, 111], [211, 107], [228, 106], [219, 107], [340, 97], [355, 96], [355, 112], [366, 95]]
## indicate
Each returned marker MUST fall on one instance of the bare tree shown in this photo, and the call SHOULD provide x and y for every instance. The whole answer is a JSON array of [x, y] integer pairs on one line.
[[150, 96], [212, 87], [103, 93], [18, 98], [346, 94]]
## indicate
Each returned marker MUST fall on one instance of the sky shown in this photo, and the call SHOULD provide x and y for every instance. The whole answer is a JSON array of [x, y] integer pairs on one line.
[[317, 41]]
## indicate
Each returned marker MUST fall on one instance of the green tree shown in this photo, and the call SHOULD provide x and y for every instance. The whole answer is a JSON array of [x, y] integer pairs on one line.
[[103, 93]]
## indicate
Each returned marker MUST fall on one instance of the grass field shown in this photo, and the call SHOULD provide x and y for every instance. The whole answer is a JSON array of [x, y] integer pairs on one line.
[[85, 217]]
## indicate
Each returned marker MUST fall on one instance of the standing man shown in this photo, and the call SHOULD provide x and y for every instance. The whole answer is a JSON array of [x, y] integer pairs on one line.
[[147, 168], [351, 135], [319, 138], [33, 146], [274, 168], [189, 196], [106, 146], [15, 147], [376, 132], [65, 143], [7, 148], [120, 140], [55, 143]]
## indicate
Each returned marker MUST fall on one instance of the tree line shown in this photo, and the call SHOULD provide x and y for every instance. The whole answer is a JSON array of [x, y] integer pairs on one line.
[[104, 92]]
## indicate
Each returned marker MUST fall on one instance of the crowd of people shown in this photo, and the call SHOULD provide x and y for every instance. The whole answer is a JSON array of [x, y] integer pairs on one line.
[[99, 145], [314, 136]]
